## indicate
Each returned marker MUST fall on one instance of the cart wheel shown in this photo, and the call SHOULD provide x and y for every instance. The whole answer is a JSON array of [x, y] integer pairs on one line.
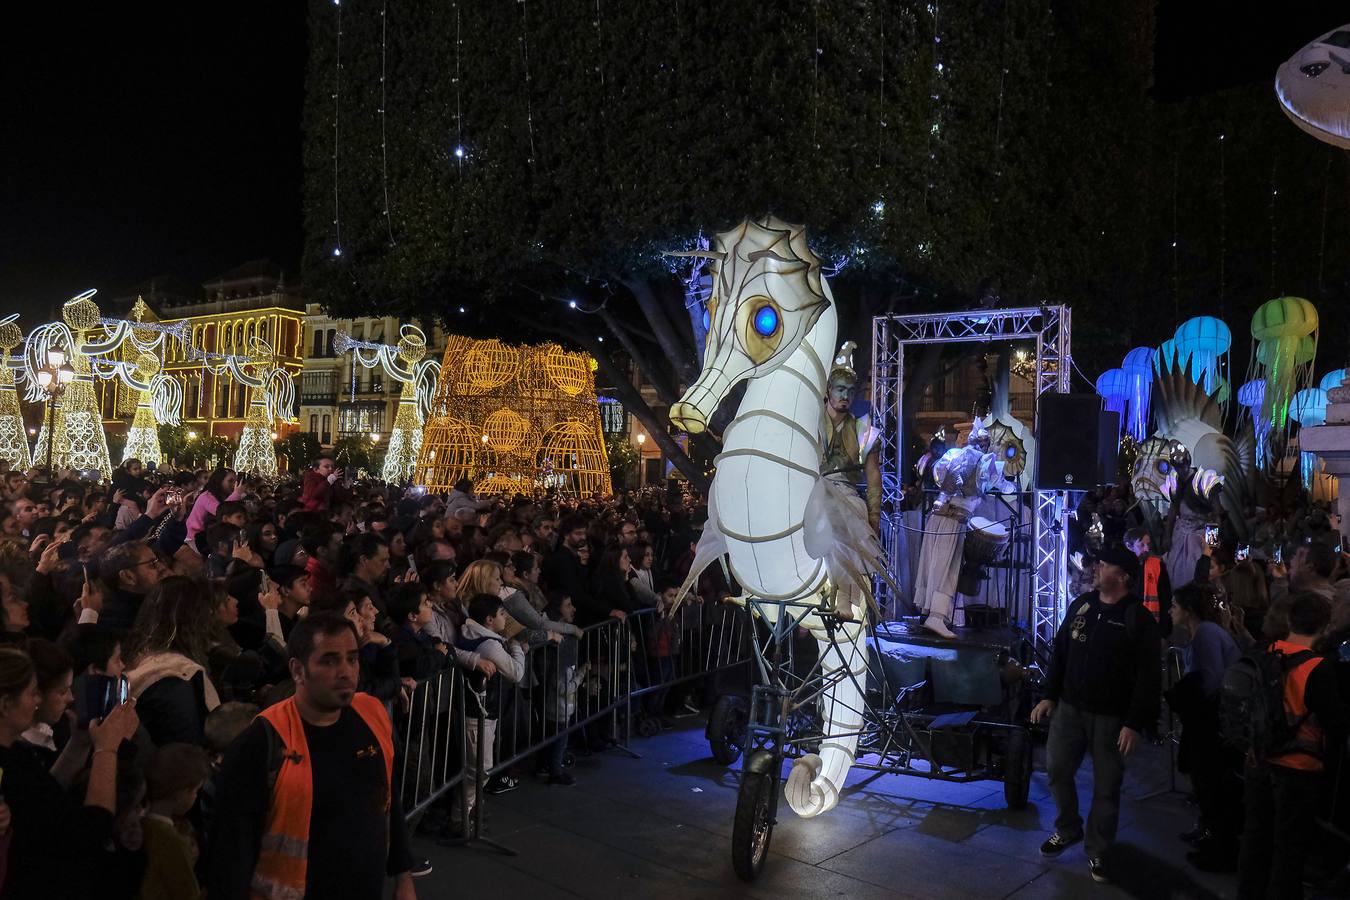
[[754, 823], [1017, 768], [648, 726], [726, 729]]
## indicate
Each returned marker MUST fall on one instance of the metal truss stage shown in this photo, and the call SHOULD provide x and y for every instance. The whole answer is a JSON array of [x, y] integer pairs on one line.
[[1050, 327]]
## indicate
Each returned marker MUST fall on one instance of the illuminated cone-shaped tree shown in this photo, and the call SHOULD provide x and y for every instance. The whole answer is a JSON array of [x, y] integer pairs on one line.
[[159, 402], [271, 396]]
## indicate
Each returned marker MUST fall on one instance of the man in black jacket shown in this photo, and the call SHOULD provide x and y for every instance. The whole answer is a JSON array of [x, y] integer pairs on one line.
[[1101, 692], [563, 571]]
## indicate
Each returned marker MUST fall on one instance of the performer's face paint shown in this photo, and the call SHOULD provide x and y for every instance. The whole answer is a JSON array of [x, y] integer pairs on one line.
[[841, 393]]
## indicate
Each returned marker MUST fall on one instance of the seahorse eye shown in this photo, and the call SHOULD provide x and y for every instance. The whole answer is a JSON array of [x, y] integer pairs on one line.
[[766, 320]]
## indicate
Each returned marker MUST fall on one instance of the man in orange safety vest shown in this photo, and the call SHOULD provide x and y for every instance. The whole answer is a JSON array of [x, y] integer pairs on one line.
[[1155, 586]]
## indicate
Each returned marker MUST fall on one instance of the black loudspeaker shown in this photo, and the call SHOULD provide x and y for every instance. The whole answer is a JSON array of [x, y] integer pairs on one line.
[[1077, 443]]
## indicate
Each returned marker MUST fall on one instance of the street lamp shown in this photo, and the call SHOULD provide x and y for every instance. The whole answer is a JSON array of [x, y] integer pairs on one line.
[[374, 437], [641, 439], [53, 378]]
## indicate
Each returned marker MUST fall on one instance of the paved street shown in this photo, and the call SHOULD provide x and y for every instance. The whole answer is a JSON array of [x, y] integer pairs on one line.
[[660, 827]]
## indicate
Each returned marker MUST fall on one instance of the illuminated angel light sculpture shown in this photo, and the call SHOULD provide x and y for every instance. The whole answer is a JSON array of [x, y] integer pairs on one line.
[[271, 397], [405, 363], [90, 343], [1313, 85], [773, 323], [13, 439], [159, 402]]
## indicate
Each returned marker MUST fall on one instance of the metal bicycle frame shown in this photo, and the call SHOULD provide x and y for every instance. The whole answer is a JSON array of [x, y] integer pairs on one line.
[[1051, 328], [887, 733]]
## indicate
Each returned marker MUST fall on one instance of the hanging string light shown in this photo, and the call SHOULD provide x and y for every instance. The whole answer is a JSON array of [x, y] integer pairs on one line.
[[881, 90], [337, 90], [1274, 197], [525, 58], [1176, 281], [815, 77], [384, 102], [1322, 241], [1223, 225], [935, 95], [998, 122], [459, 107]]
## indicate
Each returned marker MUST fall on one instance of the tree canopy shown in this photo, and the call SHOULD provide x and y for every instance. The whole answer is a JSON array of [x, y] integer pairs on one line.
[[516, 158]]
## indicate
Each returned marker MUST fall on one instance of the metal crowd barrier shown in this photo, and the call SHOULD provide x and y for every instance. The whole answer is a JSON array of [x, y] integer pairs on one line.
[[598, 683]]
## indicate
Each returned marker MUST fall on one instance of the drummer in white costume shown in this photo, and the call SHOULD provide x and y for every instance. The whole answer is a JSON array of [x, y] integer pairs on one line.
[[964, 475]]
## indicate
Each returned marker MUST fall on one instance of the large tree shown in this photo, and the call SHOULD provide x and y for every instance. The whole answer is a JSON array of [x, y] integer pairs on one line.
[[531, 162]]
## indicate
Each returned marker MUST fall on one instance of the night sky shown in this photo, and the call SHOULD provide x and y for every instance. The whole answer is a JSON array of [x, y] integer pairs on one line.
[[155, 138], [146, 138]]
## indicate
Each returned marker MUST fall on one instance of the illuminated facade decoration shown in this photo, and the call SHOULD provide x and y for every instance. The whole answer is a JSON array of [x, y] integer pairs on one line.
[[514, 419], [339, 397], [404, 363], [92, 344], [221, 317], [13, 440]]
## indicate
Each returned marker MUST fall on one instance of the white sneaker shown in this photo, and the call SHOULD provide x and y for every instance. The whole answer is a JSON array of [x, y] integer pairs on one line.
[[936, 625]]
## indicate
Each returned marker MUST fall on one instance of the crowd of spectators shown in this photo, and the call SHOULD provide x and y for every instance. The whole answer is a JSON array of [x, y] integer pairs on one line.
[[1271, 597], [178, 645]]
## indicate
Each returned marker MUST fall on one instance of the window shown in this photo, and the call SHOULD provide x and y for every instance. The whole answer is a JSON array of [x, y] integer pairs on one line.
[[314, 424], [318, 344], [326, 435], [328, 346], [613, 417]]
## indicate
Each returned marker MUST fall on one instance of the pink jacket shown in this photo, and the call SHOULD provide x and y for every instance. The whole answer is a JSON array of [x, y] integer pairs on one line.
[[202, 510]]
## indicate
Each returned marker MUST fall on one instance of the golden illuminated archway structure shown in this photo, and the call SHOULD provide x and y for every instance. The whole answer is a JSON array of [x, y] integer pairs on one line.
[[513, 420]]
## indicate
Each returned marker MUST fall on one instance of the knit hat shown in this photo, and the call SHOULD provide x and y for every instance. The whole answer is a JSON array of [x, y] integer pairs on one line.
[[175, 767]]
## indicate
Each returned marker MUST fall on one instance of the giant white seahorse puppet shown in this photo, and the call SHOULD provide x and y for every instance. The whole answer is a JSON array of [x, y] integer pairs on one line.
[[788, 533]]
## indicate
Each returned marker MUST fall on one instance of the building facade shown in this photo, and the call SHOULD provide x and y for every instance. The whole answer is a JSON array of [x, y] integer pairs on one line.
[[252, 301], [340, 398]]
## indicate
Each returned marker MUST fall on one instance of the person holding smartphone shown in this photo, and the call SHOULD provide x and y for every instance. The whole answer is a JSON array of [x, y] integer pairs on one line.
[[56, 839]]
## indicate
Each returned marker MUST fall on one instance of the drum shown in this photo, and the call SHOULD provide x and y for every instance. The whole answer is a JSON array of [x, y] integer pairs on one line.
[[985, 541]]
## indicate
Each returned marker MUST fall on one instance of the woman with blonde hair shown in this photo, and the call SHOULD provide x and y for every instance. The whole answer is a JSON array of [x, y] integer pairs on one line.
[[484, 576]]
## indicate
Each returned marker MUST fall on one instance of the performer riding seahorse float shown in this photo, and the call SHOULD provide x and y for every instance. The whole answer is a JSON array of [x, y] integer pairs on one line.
[[797, 540]]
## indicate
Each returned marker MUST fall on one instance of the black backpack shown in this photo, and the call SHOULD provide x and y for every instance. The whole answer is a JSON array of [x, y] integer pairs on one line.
[[1252, 715]]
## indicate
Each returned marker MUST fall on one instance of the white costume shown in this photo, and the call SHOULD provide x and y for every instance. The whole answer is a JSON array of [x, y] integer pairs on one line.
[[964, 475]]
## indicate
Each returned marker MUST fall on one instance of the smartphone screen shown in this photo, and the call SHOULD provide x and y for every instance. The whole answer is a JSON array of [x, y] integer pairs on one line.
[[1211, 534], [1279, 555], [101, 695], [1244, 551]]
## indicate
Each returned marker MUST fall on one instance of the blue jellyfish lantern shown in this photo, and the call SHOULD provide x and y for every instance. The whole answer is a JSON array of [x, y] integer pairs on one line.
[[1113, 386], [1138, 369], [1309, 407], [1252, 396], [1205, 342], [1332, 380]]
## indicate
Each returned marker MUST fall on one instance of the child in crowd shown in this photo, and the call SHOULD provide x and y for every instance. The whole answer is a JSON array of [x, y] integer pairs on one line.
[[562, 678], [482, 633], [420, 655], [174, 776]]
